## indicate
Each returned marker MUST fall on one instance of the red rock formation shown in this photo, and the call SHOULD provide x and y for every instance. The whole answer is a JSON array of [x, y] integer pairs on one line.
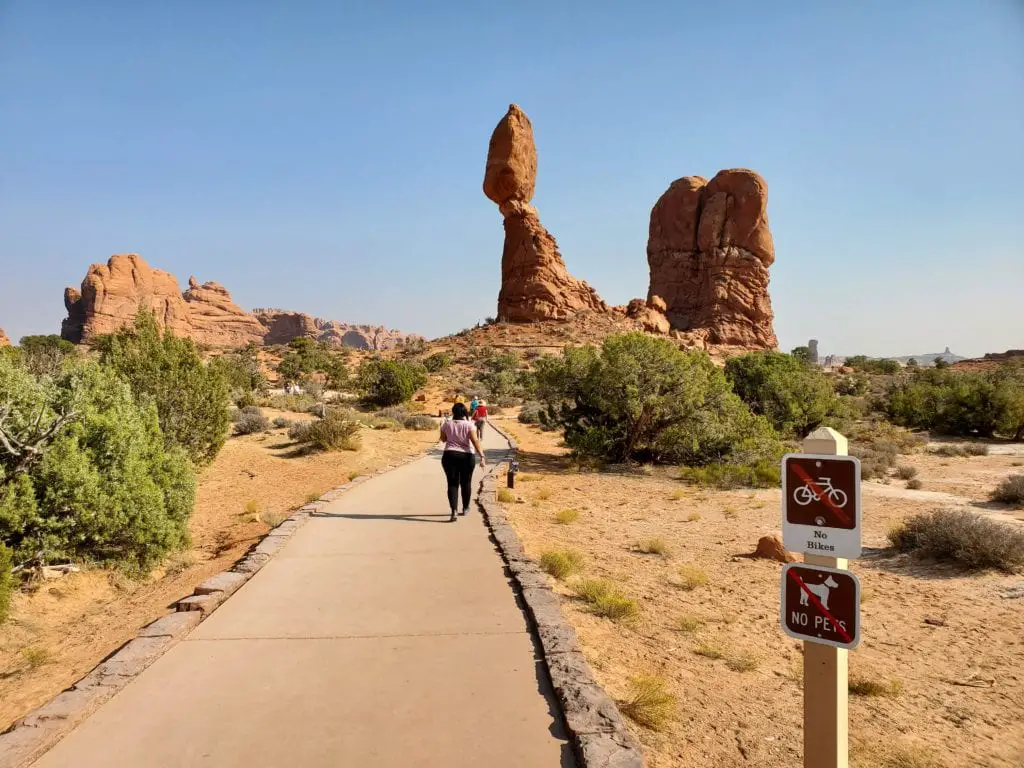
[[281, 327], [535, 284], [650, 314], [4, 341], [217, 320], [113, 293], [770, 548], [709, 251]]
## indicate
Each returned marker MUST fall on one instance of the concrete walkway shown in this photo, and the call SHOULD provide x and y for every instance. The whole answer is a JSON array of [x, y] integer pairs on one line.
[[381, 635]]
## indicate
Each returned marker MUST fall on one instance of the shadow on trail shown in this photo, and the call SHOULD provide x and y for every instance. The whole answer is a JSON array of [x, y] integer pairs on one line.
[[404, 518]]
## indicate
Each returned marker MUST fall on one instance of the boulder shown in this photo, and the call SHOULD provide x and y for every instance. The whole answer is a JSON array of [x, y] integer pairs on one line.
[[650, 314], [535, 285], [770, 548], [709, 250]]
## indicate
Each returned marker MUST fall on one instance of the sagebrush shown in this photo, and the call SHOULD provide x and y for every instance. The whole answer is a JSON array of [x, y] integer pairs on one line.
[[963, 538]]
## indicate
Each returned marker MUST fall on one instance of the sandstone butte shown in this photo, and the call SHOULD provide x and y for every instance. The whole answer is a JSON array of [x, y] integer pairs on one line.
[[535, 285], [709, 250], [112, 294]]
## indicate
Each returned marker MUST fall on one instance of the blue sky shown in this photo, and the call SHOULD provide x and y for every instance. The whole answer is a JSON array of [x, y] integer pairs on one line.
[[328, 156]]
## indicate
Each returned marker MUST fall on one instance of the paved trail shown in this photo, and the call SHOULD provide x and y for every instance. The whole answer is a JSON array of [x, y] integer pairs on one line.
[[381, 635]]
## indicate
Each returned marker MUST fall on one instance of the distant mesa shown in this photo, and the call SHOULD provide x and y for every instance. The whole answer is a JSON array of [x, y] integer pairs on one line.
[[535, 285], [113, 293]]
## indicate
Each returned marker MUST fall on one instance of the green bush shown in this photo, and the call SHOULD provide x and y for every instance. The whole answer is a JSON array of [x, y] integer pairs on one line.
[[1010, 490], [437, 362], [763, 474], [639, 398], [44, 355], [6, 583], [961, 537], [794, 396], [337, 431], [85, 472], [959, 403], [390, 382], [295, 403], [531, 413], [191, 398], [872, 365], [241, 370]]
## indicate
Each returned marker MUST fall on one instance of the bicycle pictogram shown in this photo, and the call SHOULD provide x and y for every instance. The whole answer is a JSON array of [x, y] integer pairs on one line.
[[805, 494]]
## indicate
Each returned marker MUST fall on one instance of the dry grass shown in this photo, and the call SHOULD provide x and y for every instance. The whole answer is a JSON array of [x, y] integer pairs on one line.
[[252, 508], [893, 755], [591, 590], [652, 546], [567, 517], [691, 577], [649, 703], [688, 623], [677, 495], [505, 496], [312, 496], [273, 519], [36, 656], [906, 472], [354, 474], [729, 513], [543, 494], [709, 651], [742, 662], [693, 517], [561, 563], [615, 606], [865, 686]]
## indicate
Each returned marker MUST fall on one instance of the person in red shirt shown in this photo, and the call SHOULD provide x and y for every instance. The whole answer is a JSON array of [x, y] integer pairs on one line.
[[480, 418]]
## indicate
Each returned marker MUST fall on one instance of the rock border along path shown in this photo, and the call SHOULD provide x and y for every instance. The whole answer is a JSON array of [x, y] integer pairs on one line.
[[28, 738], [599, 734]]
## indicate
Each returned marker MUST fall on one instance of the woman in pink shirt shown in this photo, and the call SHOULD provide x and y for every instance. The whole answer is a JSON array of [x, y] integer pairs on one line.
[[461, 448]]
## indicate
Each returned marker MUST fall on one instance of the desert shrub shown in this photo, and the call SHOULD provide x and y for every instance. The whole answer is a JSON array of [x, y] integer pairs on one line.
[[1010, 490], [561, 564], [878, 444], [251, 421], [639, 398], [763, 474], [336, 431], [45, 355], [567, 517], [505, 496], [853, 384], [915, 484], [653, 546], [437, 362], [906, 472], [794, 396], [6, 583], [502, 380], [962, 450], [241, 370], [649, 703], [590, 590], [960, 403], [292, 402], [280, 422], [245, 411], [872, 365], [859, 685], [191, 398], [961, 537], [531, 413], [691, 577], [419, 422], [85, 472], [390, 382], [614, 606], [394, 412]]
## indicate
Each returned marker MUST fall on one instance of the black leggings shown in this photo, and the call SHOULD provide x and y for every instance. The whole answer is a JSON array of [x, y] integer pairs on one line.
[[458, 468]]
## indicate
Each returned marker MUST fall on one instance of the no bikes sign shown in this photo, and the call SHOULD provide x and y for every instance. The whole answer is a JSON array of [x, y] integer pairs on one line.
[[821, 504]]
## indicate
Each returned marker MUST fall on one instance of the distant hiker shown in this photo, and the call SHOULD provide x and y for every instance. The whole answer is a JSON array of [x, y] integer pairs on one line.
[[459, 398], [458, 459], [480, 418], [473, 404]]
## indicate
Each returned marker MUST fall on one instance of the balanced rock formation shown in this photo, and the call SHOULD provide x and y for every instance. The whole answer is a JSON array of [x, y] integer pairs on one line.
[[709, 250], [535, 285], [113, 293]]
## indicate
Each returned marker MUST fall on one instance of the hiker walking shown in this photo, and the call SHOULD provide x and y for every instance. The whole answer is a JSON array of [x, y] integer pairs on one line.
[[480, 418], [461, 448]]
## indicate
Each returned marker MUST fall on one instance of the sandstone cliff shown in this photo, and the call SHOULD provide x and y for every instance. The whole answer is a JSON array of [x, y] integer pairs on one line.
[[535, 285], [709, 250], [112, 294]]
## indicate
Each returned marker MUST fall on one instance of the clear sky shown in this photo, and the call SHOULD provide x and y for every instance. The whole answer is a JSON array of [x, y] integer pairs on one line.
[[328, 156]]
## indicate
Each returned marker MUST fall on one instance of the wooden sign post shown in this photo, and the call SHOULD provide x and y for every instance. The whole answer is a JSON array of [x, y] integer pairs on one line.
[[826, 713]]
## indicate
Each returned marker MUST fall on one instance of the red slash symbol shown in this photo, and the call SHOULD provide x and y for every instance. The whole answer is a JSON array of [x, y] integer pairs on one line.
[[821, 495], [817, 604]]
